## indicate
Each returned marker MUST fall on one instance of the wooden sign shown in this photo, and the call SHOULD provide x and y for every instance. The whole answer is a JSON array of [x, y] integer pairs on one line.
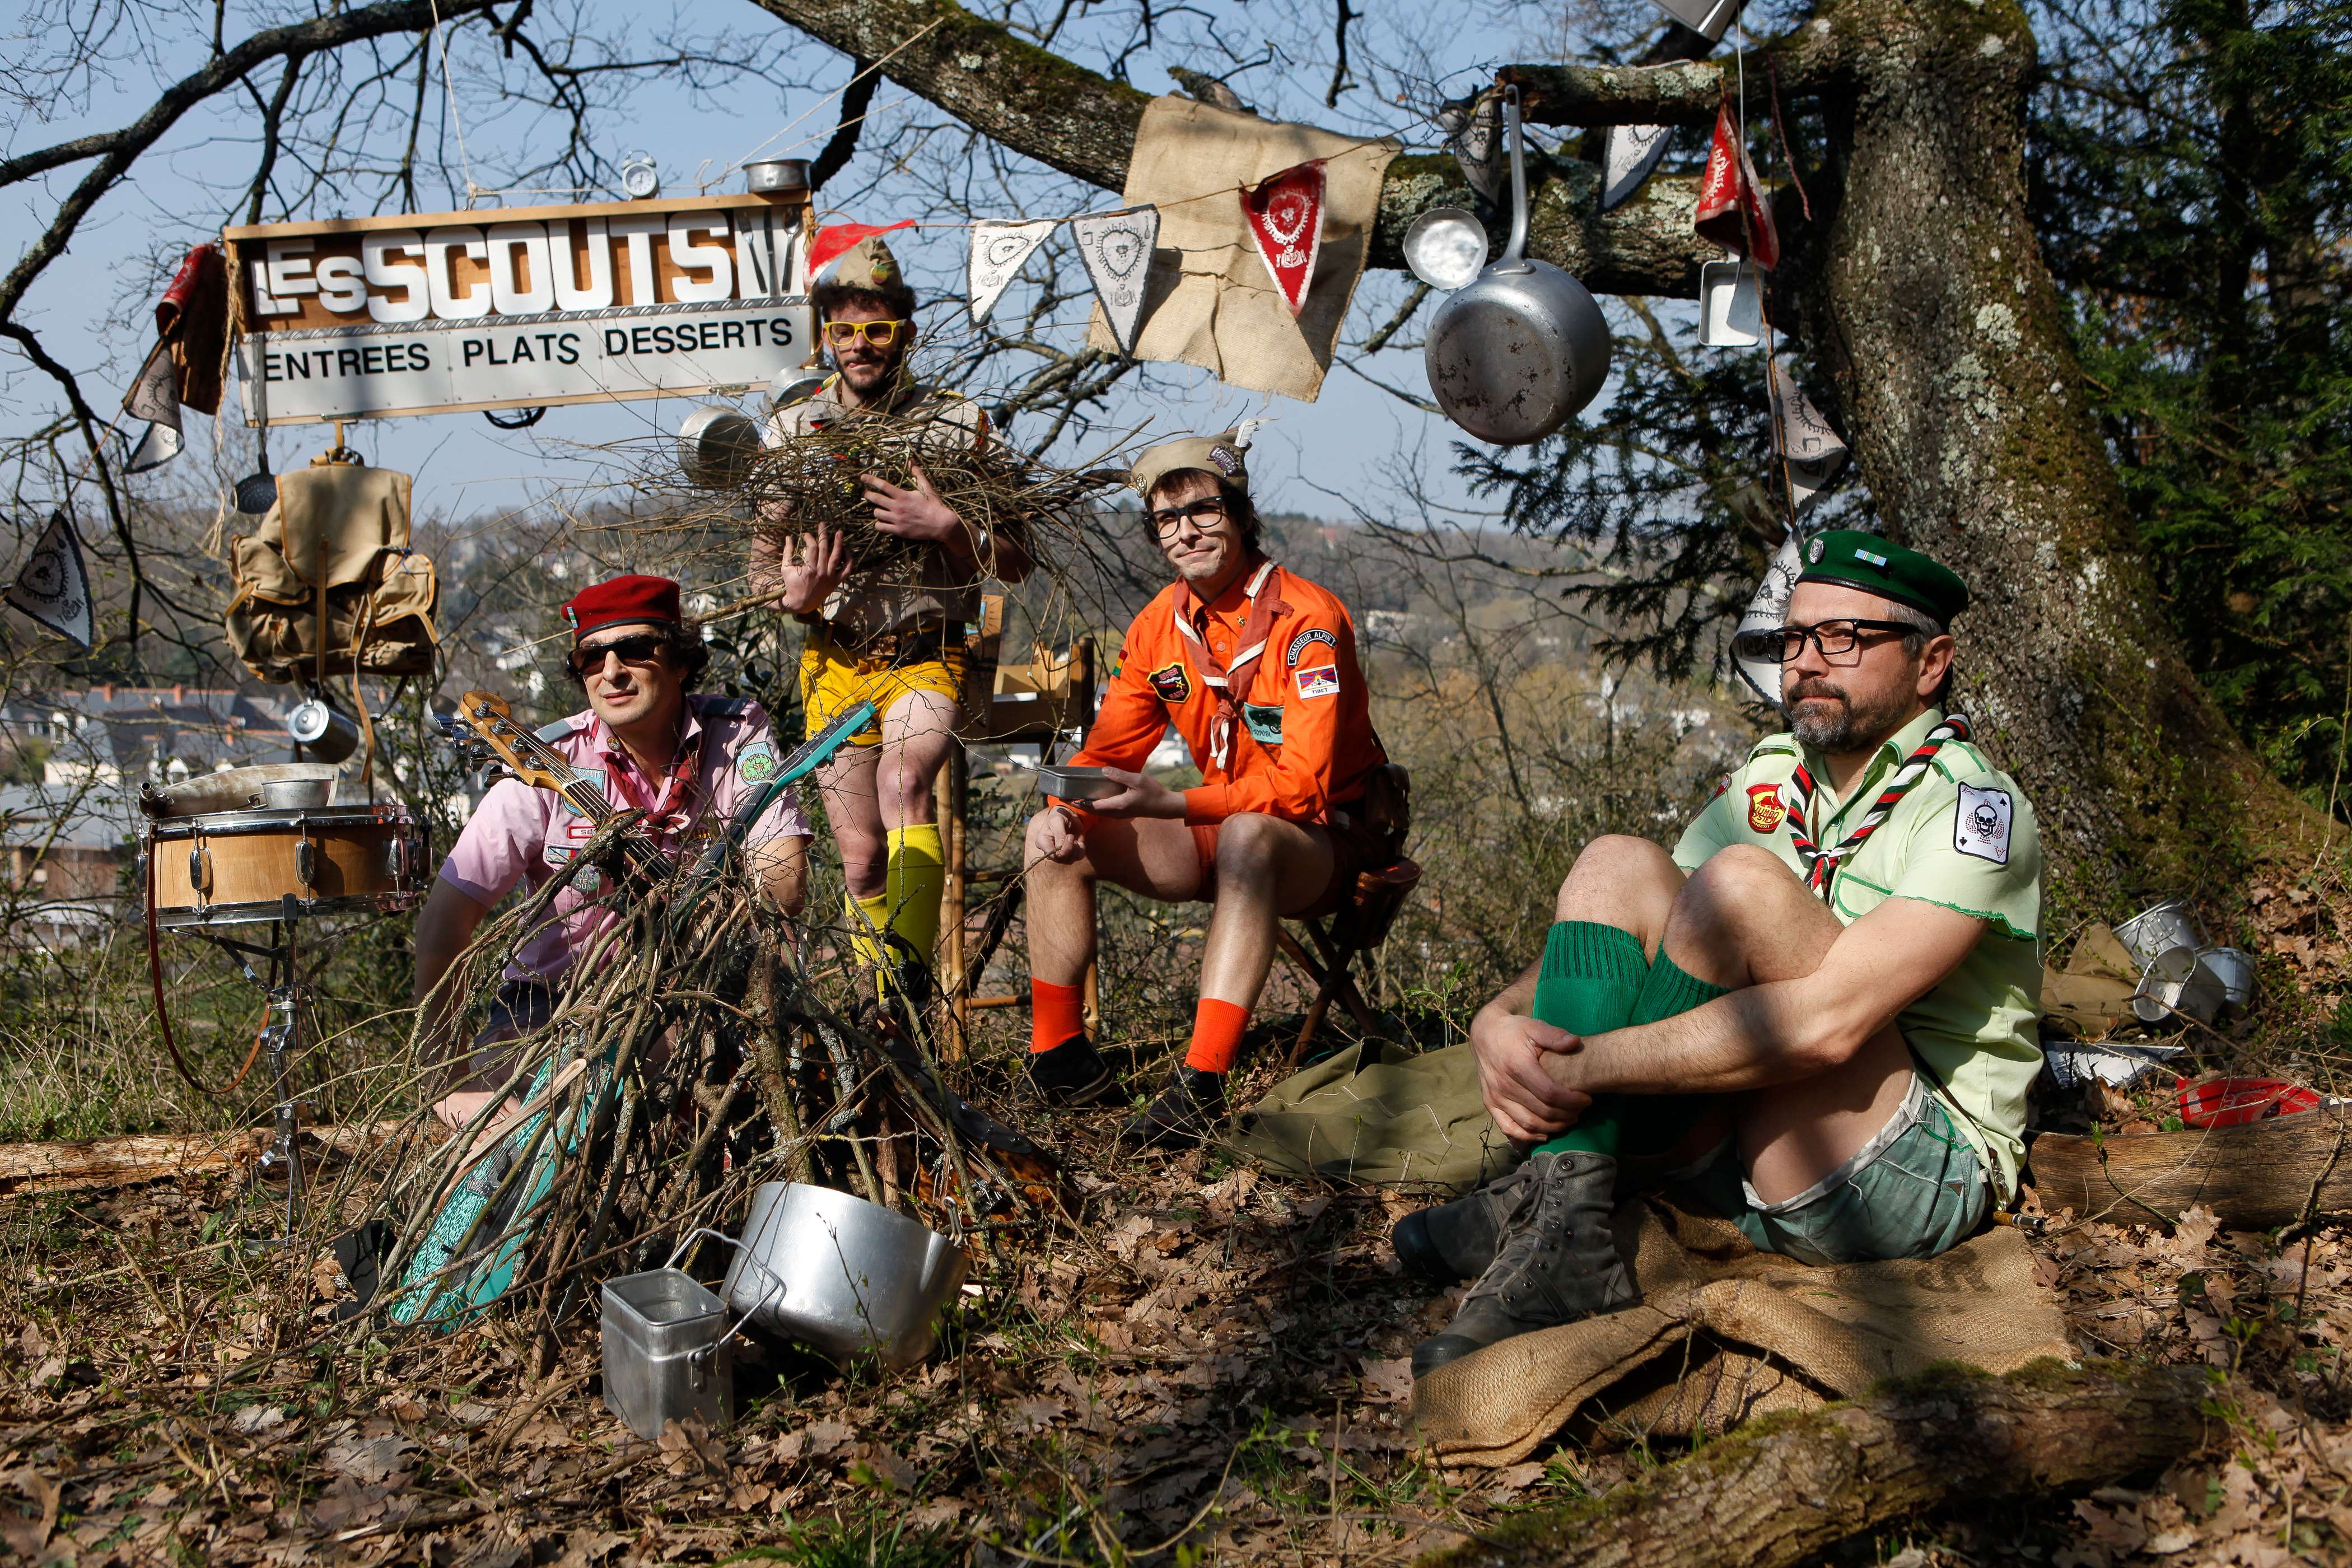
[[517, 307]]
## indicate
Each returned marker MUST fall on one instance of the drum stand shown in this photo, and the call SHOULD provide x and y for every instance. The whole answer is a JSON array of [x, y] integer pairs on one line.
[[279, 1038]]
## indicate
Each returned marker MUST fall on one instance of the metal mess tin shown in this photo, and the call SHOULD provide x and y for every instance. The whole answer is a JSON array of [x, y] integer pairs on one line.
[[846, 1277], [665, 1352], [1076, 784]]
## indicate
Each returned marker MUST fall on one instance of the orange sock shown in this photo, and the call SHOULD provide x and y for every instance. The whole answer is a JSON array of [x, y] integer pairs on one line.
[[1217, 1028], [1056, 1012]]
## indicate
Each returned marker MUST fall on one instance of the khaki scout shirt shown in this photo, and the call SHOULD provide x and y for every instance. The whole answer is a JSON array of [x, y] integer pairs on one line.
[[943, 591], [1963, 837]]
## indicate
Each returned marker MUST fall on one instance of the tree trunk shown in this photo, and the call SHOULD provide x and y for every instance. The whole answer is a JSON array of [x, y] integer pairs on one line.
[[1920, 288], [1792, 1487]]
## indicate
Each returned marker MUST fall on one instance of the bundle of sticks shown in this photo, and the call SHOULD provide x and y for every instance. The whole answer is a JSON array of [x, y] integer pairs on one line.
[[702, 1045], [818, 478]]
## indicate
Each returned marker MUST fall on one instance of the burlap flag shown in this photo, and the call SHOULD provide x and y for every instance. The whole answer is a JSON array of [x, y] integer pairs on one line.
[[1117, 249], [1628, 155], [53, 586], [1803, 440], [998, 250], [1731, 207], [1284, 214], [1766, 609]]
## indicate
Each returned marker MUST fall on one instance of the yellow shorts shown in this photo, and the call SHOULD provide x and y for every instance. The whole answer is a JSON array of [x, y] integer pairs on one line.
[[834, 678]]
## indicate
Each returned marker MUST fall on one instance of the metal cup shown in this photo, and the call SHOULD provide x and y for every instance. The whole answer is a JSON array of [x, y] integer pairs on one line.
[[715, 446], [2234, 970], [327, 735], [2158, 929]]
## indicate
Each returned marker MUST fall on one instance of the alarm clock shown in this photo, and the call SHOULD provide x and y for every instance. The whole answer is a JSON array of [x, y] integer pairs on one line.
[[640, 177]]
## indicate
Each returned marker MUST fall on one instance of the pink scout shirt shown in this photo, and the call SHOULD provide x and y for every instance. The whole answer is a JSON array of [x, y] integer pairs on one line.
[[520, 834]]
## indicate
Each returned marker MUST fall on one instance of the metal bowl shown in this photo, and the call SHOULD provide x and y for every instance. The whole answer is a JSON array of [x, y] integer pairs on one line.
[[770, 175], [1445, 248], [848, 1277], [715, 446]]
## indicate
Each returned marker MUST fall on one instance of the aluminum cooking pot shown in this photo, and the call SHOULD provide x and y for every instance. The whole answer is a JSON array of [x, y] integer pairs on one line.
[[846, 1277], [1512, 357]]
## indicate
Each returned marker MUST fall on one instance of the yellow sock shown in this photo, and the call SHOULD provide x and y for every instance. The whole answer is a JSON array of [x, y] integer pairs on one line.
[[867, 919], [912, 885]]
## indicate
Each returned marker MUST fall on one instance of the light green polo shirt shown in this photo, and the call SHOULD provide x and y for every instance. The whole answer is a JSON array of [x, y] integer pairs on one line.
[[1963, 837]]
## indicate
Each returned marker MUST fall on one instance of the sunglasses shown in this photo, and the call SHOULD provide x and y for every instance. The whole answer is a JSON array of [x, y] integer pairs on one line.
[[881, 335], [1779, 645], [1201, 513], [644, 648]]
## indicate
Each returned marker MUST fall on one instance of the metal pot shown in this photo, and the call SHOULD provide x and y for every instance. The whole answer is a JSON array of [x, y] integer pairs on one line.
[[715, 446], [1513, 355], [840, 1274]]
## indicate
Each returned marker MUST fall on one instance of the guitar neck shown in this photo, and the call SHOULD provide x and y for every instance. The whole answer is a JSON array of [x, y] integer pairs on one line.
[[584, 798]]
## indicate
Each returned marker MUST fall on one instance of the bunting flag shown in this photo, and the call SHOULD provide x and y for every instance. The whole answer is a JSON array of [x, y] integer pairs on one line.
[[1629, 154], [831, 241], [1710, 19], [1474, 128], [1731, 206], [1284, 214], [53, 587], [1803, 440], [1117, 250], [998, 251], [1769, 608], [184, 366]]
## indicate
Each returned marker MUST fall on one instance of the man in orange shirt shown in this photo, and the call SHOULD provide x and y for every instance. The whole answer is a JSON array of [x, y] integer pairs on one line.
[[1256, 668]]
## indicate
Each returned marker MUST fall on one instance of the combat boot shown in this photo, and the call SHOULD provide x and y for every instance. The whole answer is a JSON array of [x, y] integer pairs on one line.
[[1071, 1074], [1557, 1262], [1185, 1112], [1451, 1241]]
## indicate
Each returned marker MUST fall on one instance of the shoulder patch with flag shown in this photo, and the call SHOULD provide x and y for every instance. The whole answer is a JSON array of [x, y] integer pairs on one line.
[[1980, 823], [1318, 679]]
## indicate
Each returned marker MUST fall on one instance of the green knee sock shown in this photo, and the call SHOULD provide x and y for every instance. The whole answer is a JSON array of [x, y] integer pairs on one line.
[[1640, 1123], [1591, 983]]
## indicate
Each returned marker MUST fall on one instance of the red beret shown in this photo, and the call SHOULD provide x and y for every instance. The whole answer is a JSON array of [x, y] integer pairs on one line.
[[622, 601]]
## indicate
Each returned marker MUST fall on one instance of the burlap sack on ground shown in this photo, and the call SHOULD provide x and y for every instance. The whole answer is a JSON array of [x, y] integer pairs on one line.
[[1208, 300], [1378, 1113], [1726, 1333]]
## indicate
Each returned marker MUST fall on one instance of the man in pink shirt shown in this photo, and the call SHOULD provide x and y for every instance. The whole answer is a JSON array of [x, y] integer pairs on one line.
[[687, 761]]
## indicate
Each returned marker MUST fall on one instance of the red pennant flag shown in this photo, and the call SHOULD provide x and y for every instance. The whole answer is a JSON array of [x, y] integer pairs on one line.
[[1284, 214], [836, 238], [1732, 209]]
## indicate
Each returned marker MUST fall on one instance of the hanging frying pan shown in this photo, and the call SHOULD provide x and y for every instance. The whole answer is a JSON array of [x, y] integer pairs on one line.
[[1514, 354]]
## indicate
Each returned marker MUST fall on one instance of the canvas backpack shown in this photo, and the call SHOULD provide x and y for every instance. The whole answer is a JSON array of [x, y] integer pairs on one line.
[[335, 541]]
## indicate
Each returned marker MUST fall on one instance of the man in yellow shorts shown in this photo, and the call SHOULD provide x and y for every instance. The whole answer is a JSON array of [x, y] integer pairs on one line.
[[897, 647]]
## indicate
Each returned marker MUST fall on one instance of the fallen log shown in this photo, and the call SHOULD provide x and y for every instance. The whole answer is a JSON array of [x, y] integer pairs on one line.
[[131, 1158], [1788, 1488], [2255, 1178]]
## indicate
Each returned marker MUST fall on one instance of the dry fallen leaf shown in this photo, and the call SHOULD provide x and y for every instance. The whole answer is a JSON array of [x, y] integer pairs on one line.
[[367, 1460]]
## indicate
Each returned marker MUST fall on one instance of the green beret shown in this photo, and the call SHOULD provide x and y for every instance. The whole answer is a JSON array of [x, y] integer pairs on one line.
[[1876, 565]]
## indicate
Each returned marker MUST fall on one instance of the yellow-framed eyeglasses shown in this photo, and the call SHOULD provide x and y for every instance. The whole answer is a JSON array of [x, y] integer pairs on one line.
[[881, 335]]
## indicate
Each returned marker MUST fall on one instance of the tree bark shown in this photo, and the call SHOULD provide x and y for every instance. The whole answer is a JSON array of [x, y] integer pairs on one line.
[[1791, 1487], [1920, 288], [2255, 1178]]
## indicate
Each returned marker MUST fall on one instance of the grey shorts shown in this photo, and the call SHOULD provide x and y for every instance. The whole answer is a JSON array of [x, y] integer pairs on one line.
[[1914, 1189]]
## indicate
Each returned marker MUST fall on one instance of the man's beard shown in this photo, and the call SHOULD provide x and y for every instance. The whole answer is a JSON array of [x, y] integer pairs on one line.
[[1845, 729]]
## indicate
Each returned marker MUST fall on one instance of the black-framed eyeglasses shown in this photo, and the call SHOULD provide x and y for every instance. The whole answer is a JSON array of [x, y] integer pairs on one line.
[[642, 647], [1200, 513], [1835, 639]]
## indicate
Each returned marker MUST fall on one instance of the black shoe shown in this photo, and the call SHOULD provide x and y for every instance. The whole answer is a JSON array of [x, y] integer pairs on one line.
[[1454, 1241], [1558, 1262], [1072, 1073], [1186, 1111]]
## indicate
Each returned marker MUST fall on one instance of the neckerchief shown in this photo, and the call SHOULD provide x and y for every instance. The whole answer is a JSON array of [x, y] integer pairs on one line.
[[667, 811], [1821, 865], [1229, 685]]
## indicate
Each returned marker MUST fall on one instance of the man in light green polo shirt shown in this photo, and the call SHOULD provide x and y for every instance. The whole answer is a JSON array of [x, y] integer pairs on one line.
[[1817, 1013]]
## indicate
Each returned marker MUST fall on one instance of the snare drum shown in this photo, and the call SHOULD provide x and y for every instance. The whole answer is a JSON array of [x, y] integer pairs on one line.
[[231, 867]]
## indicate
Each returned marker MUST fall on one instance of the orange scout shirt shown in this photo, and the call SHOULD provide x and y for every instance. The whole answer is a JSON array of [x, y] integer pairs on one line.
[[1303, 743]]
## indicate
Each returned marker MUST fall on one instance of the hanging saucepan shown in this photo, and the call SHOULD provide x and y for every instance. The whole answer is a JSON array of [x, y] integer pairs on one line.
[[1512, 357]]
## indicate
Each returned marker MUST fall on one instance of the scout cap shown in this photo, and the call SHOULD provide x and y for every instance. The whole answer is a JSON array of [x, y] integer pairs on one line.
[[1218, 455], [1879, 566], [867, 267], [622, 601]]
